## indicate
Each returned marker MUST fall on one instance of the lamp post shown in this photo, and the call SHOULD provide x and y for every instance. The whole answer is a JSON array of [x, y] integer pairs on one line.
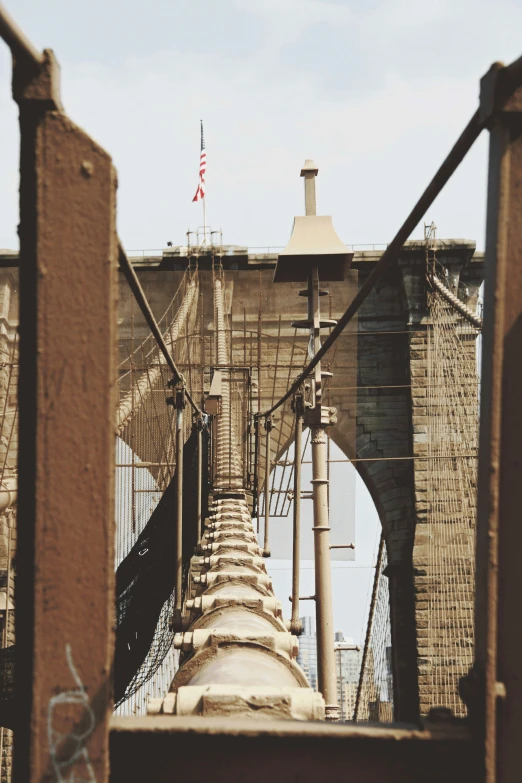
[[315, 249]]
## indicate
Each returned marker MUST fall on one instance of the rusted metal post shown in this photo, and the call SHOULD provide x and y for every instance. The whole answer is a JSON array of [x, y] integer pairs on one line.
[[295, 622], [67, 394], [495, 696], [180, 404], [266, 545]]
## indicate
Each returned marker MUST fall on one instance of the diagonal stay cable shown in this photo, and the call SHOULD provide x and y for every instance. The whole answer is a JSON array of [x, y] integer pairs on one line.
[[462, 146], [143, 303], [17, 40]]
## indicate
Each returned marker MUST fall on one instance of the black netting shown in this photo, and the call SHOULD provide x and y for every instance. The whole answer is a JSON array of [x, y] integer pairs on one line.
[[7, 686], [145, 580]]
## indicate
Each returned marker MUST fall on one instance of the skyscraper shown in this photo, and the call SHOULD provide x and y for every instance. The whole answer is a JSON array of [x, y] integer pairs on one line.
[[348, 659], [307, 657]]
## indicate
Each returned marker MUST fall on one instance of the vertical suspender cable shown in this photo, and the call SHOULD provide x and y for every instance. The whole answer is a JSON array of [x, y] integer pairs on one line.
[[295, 625]]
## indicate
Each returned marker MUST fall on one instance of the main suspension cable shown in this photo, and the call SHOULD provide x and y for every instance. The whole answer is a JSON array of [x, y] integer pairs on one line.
[[137, 290]]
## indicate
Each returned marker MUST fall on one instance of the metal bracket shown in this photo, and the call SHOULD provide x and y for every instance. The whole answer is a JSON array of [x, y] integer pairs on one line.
[[38, 83], [304, 495], [499, 92], [181, 400], [321, 417], [303, 598], [176, 621], [178, 400], [298, 403], [201, 422]]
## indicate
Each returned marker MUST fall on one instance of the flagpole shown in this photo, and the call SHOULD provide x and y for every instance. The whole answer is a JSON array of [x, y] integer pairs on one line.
[[204, 199], [200, 192]]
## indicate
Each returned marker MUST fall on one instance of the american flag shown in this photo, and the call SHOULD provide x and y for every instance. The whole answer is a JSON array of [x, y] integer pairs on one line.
[[200, 192]]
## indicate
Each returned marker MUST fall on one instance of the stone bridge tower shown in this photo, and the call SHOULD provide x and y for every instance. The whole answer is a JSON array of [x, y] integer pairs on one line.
[[379, 390]]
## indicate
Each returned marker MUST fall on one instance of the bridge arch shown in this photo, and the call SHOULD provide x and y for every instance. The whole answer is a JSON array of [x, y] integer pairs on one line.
[[379, 391]]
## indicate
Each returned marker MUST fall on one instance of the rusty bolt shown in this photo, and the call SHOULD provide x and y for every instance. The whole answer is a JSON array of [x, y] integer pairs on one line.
[[184, 641], [87, 169]]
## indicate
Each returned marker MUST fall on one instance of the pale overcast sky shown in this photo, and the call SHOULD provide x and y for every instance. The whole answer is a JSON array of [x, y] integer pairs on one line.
[[375, 92]]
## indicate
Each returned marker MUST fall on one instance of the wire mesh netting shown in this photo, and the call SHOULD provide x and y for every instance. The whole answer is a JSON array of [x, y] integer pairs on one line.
[[452, 437], [374, 701], [264, 339], [145, 421], [145, 591], [9, 364], [7, 669], [146, 496]]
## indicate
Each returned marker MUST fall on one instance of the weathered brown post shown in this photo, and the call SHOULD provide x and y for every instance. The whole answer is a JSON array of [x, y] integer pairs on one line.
[[67, 394], [495, 696]]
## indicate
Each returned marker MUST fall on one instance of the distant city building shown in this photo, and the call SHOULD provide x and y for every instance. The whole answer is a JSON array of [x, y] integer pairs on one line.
[[389, 673], [348, 659], [307, 657]]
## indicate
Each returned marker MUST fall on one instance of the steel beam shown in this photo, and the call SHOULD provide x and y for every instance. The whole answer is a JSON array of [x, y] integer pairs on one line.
[[167, 748]]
